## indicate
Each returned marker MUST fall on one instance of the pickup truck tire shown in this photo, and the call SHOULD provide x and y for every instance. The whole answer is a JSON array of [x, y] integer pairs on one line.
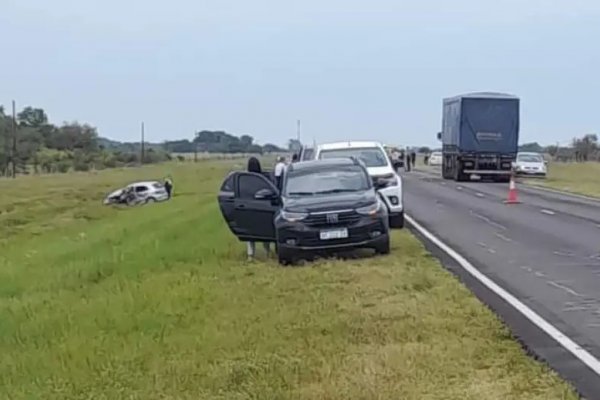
[[383, 248], [397, 221], [284, 257]]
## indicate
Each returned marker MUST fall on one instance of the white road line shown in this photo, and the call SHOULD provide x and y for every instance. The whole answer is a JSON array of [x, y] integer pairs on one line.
[[565, 288], [548, 212], [501, 236], [582, 354], [489, 221], [479, 195]]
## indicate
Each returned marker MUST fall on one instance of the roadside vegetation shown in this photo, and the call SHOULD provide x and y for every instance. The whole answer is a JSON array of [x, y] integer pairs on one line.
[[582, 178], [158, 302], [31, 144]]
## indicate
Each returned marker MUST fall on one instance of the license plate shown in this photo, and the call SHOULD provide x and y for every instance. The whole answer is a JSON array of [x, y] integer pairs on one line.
[[334, 234]]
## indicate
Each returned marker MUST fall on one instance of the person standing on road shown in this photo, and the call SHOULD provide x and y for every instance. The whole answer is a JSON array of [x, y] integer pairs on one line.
[[295, 158], [426, 159], [254, 166], [413, 158], [279, 170], [405, 160]]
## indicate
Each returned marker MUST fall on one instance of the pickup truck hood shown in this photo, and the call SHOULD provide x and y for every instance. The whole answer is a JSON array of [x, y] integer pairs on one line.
[[380, 171], [330, 202]]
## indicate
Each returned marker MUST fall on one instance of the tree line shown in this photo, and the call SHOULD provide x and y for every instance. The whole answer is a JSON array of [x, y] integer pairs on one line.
[[581, 149], [30, 143]]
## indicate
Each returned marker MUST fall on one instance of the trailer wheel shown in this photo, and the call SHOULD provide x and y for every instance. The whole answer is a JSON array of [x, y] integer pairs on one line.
[[459, 175], [445, 173]]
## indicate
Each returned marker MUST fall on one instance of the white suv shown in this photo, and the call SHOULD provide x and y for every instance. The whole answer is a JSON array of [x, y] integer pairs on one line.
[[380, 168]]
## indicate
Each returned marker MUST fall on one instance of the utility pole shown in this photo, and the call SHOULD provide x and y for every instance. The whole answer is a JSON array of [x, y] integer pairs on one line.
[[298, 132], [14, 143], [195, 147], [142, 147]]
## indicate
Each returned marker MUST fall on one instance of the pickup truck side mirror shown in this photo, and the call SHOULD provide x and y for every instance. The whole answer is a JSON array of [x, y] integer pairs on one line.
[[265, 194], [439, 135]]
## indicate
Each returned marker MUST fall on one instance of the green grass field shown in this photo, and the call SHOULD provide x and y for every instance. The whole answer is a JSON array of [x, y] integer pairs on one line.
[[583, 178], [157, 302]]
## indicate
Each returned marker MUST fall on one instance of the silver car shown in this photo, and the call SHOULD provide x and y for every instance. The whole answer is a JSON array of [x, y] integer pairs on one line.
[[139, 192], [530, 164]]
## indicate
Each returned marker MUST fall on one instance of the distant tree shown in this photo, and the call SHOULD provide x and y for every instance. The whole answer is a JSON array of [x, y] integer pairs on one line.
[[32, 117], [424, 149], [585, 147]]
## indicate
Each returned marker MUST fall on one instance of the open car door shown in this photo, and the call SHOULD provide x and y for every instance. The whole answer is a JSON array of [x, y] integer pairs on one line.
[[248, 202]]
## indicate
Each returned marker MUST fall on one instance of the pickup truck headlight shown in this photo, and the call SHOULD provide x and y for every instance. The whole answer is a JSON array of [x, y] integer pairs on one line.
[[291, 216], [388, 180], [372, 209]]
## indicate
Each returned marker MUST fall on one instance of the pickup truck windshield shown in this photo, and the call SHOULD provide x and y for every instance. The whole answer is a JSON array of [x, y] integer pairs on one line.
[[371, 156], [340, 180]]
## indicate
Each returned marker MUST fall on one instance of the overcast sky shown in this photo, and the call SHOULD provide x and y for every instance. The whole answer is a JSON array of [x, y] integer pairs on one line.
[[349, 69]]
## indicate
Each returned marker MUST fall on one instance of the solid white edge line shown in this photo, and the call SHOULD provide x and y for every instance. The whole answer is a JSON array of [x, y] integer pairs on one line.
[[579, 352]]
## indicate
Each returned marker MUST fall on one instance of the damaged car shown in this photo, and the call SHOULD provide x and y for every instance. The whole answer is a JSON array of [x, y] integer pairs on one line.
[[138, 193]]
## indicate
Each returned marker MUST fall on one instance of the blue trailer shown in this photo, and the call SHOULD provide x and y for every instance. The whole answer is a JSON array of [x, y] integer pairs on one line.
[[480, 136]]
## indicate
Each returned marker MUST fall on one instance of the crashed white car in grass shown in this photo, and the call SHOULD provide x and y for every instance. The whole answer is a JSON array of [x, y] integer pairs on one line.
[[138, 193]]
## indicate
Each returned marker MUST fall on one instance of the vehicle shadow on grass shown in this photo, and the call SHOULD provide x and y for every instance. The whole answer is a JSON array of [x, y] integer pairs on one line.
[[316, 259]]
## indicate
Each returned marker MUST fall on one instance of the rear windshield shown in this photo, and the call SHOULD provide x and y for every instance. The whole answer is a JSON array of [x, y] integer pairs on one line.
[[370, 156], [339, 180], [157, 185]]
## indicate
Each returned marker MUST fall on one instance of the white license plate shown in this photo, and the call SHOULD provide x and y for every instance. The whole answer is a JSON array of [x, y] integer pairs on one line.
[[334, 234]]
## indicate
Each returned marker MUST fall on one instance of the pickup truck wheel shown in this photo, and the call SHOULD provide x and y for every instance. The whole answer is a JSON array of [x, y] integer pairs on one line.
[[383, 248], [397, 221], [284, 257]]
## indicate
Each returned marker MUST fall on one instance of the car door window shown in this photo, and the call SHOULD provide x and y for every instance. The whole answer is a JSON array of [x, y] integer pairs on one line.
[[141, 189], [250, 184], [227, 185]]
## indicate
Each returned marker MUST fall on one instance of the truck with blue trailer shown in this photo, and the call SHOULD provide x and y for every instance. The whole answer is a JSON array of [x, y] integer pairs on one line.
[[480, 136]]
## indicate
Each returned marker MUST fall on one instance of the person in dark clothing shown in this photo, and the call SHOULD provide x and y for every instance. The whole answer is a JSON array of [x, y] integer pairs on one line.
[[413, 158], [168, 187], [405, 160], [426, 159], [254, 166], [295, 157]]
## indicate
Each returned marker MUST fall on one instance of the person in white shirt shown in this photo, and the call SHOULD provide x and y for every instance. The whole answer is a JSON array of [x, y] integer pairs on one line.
[[279, 170]]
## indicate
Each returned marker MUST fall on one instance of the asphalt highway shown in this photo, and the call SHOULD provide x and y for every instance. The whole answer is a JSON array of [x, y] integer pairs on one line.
[[544, 251]]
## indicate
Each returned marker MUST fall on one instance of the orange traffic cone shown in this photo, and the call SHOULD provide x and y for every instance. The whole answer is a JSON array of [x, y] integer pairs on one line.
[[512, 192]]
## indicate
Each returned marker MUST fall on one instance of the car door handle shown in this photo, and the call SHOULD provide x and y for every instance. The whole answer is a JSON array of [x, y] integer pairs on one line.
[[240, 207]]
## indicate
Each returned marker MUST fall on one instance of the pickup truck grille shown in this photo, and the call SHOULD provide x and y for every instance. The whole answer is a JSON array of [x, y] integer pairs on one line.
[[343, 219]]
